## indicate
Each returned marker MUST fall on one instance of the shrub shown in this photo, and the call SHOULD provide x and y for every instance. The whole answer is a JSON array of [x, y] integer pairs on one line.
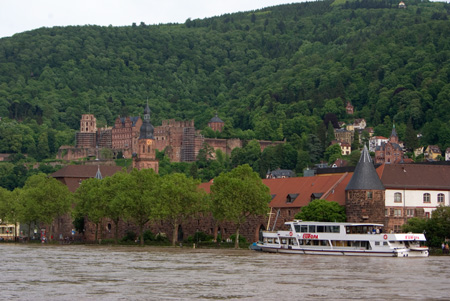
[[242, 239], [162, 237], [149, 236], [199, 237], [129, 236]]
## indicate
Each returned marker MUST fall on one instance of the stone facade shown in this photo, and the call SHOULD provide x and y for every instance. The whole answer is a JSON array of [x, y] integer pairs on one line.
[[125, 134], [179, 139], [363, 206], [344, 135]]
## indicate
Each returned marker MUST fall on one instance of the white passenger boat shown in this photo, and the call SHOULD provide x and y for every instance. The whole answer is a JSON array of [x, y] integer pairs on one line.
[[342, 239]]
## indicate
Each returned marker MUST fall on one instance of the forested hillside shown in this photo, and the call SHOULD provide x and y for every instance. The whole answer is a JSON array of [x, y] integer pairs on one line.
[[270, 74]]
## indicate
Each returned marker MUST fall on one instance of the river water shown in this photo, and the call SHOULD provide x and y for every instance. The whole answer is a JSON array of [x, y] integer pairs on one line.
[[77, 272]]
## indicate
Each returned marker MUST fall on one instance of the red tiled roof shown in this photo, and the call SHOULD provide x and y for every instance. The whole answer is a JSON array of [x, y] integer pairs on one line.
[[331, 186]]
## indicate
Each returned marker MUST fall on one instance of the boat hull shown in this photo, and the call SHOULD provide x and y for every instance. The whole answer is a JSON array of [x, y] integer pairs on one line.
[[329, 252]]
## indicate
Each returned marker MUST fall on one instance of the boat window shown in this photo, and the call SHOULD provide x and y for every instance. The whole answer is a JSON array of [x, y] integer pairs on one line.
[[338, 243], [320, 229], [283, 241], [312, 228], [366, 245], [297, 228], [377, 243], [303, 228], [324, 242], [385, 243], [332, 229]]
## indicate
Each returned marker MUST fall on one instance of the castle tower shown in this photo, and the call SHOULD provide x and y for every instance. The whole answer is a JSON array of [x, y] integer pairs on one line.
[[145, 156], [365, 193], [88, 123], [216, 124], [87, 136], [394, 137]]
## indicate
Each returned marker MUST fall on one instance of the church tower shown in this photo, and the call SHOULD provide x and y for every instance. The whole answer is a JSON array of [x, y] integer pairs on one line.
[[365, 193], [145, 156]]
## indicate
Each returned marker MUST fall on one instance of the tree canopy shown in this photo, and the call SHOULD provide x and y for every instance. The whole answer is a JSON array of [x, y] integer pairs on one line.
[[322, 211], [238, 194], [275, 73]]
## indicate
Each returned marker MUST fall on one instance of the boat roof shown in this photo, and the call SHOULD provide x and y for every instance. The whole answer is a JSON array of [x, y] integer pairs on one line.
[[300, 222]]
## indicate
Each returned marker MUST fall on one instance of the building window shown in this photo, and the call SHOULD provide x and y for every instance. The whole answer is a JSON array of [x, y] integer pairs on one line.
[[410, 212], [426, 198], [397, 212], [397, 197], [386, 212], [441, 198], [369, 195]]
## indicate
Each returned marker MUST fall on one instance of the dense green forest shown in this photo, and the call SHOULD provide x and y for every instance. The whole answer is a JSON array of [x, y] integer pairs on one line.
[[270, 74]]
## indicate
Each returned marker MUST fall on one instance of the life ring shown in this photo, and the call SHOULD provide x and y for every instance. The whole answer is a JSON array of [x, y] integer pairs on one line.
[[385, 236], [290, 233]]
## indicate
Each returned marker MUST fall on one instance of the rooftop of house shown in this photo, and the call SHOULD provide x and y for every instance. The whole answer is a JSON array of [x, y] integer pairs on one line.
[[72, 175], [417, 176]]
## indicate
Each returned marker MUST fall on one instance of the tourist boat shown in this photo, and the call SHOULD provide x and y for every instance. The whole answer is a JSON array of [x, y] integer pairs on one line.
[[326, 238]]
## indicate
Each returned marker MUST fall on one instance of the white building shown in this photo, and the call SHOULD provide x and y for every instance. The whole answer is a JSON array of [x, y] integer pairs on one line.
[[376, 141], [413, 190]]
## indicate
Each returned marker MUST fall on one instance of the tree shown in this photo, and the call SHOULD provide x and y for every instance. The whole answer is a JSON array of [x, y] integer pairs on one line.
[[354, 158], [356, 143], [5, 196], [10, 209], [179, 200], [238, 194], [110, 190], [439, 225], [90, 203], [411, 140], [140, 192], [330, 134], [332, 153], [322, 211], [52, 198], [415, 225], [314, 147]]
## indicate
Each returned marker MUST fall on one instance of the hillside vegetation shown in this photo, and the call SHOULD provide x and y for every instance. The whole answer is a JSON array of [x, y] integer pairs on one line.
[[270, 74]]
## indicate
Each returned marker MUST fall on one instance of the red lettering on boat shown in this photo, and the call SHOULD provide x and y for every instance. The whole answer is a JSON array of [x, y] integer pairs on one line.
[[310, 236]]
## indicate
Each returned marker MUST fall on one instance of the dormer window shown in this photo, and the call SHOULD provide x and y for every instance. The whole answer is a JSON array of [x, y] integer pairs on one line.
[[291, 198]]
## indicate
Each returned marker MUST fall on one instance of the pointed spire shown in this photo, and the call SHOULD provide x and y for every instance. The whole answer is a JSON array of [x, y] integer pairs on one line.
[[147, 129], [394, 132], [365, 177], [147, 112], [98, 175]]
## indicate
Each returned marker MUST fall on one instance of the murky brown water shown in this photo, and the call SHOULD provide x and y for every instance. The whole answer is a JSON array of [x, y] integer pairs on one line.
[[35, 272]]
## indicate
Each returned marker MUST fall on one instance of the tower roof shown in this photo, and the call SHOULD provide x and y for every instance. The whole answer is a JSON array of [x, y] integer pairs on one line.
[[147, 129], [98, 175], [394, 132], [365, 177], [216, 119]]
